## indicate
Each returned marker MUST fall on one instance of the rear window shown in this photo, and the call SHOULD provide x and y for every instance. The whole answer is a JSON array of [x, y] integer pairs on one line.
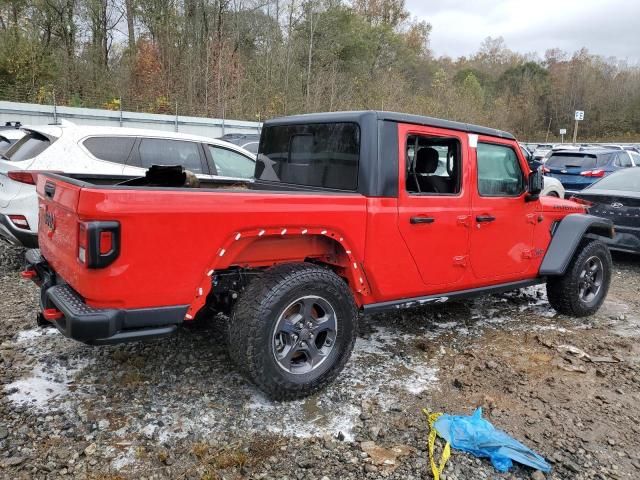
[[627, 181], [322, 155], [111, 149], [578, 159], [29, 146]]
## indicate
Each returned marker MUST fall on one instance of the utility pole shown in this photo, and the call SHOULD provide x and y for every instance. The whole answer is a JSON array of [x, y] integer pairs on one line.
[[55, 109], [546, 139], [176, 126]]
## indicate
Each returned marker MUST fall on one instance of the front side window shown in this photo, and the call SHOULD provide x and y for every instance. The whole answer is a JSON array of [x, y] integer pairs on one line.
[[231, 164], [28, 147], [322, 155], [158, 151], [499, 172], [111, 149]]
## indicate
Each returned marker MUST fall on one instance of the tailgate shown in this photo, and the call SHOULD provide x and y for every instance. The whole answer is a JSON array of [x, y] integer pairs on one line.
[[58, 232]]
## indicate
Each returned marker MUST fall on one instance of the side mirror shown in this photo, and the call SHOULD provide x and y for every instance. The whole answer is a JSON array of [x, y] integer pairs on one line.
[[535, 184]]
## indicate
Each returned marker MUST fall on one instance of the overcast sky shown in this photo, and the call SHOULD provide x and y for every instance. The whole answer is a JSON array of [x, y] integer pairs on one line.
[[605, 27]]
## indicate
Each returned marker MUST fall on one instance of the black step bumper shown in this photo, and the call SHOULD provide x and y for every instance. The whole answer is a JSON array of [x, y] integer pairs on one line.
[[98, 326]]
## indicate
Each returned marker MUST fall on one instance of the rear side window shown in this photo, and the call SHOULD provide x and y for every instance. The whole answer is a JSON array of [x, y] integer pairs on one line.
[[232, 164], [111, 149], [322, 155], [28, 147], [499, 172], [157, 151], [4, 144]]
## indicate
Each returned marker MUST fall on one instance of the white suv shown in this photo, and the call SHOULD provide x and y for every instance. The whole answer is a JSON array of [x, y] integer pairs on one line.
[[102, 151]]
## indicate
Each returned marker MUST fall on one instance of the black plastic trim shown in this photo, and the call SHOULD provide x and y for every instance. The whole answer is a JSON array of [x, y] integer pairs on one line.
[[95, 259], [566, 238], [388, 161], [445, 297]]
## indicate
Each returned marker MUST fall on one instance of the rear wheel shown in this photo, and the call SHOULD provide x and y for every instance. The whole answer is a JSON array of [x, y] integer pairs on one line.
[[293, 330], [584, 286]]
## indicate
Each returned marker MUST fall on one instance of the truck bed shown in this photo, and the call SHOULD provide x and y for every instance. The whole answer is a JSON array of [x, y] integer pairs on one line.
[[171, 238]]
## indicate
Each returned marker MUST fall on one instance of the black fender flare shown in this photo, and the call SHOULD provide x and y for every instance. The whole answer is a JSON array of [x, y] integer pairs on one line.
[[567, 235]]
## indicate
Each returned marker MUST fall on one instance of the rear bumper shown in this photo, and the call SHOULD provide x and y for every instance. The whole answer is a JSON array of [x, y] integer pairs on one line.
[[626, 239], [16, 236], [98, 326]]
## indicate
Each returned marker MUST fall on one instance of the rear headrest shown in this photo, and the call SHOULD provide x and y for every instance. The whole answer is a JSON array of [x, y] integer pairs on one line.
[[427, 160]]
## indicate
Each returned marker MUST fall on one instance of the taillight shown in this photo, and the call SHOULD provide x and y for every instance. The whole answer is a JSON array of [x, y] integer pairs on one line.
[[82, 242], [27, 176], [20, 221], [23, 176], [593, 173], [581, 201], [98, 243]]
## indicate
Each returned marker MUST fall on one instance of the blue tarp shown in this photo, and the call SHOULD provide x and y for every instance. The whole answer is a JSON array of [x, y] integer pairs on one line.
[[479, 437]]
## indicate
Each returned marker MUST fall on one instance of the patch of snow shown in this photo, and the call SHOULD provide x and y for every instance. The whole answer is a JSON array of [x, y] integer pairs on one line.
[[26, 335], [124, 459], [42, 389]]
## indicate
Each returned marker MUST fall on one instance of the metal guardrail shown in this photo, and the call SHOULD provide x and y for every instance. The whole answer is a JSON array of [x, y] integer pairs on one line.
[[36, 114]]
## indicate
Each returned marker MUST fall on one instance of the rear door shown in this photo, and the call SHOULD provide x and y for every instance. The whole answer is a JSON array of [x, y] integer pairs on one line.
[[503, 221], [435, 225]]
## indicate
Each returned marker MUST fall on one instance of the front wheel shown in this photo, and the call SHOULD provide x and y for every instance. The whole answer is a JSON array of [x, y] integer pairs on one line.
[[293, 330], [584, 286]]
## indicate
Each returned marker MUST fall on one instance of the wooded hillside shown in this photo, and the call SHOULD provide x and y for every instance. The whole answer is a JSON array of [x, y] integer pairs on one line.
[[255, 59]]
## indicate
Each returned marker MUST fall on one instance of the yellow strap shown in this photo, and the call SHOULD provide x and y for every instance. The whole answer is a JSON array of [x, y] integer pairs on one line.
[[446, 452]]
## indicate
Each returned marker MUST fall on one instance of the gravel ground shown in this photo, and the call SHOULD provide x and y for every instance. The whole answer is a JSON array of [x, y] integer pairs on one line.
[[175, 408]]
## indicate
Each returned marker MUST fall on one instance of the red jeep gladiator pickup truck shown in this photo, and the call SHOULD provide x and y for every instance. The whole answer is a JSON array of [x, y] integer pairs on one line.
[[350, 212]]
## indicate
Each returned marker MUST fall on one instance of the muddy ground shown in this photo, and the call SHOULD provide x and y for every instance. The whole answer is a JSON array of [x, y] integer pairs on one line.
[[175, 408]]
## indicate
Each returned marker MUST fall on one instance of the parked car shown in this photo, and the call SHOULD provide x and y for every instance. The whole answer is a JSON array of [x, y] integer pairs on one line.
[[125, 152], [348, 213], [577, 169], [553, 187], [248, 141], [10, 134], [617, 198], [541, 150]]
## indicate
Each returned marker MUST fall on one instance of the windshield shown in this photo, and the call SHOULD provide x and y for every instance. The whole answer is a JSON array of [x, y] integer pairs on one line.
[[627, 180], [27, 147]]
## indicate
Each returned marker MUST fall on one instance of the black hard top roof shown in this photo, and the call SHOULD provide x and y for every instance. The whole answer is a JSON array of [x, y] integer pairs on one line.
[[361, 116]]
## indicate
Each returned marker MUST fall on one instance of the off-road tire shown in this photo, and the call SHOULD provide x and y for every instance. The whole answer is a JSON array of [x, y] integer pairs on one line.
[[255, 316], [563, 291]]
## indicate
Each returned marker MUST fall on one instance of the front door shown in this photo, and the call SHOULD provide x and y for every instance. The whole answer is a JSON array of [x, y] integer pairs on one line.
[[434, 203], [503, 221]]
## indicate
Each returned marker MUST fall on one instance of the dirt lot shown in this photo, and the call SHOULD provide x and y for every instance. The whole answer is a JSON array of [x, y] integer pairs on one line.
[[176, 408]]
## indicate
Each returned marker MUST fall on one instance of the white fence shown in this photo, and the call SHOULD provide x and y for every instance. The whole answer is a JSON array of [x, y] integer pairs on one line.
[[35, 114]]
